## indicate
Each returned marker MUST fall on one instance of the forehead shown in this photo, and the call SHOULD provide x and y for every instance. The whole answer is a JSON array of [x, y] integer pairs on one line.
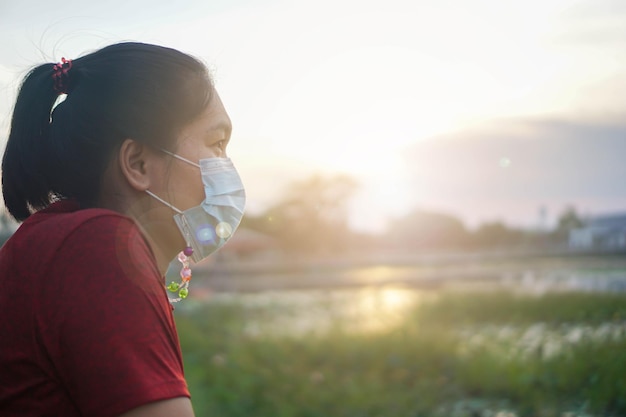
[[212, 119]]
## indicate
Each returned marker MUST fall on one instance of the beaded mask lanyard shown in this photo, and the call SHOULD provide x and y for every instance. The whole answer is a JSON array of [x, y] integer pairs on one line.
[[182, 287]]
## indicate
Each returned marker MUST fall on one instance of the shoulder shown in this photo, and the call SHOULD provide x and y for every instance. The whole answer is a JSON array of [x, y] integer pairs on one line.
[[63, 219], [64, 224], [63, 240], [105, 244]]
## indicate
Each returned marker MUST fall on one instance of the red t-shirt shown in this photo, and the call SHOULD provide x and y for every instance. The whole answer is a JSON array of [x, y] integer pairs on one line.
[[86, 328]]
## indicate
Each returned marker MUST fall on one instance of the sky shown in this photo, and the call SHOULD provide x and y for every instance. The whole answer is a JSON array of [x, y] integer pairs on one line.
[[487, 110]]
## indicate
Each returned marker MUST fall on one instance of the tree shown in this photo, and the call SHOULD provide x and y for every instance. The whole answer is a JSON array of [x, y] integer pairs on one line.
[[430, 230], [569, 220], [312, 215], [497, 234]]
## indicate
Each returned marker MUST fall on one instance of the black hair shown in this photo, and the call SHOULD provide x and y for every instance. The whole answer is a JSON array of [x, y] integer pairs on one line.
[[127, 90]]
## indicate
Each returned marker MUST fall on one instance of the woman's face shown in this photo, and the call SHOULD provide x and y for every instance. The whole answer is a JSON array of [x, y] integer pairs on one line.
[[180, 183], [205, 137]]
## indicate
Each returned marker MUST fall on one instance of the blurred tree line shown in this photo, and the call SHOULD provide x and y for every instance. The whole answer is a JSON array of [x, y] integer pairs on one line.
[[312, 218]]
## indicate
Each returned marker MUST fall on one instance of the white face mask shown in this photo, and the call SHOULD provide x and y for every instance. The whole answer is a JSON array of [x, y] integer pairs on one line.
[[207, 227]]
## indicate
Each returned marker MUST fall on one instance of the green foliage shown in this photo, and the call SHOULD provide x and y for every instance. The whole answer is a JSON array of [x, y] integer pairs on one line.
[[503, 307], [496, 234], [422, 367], [569, 220], [425, 229], [311, 217]]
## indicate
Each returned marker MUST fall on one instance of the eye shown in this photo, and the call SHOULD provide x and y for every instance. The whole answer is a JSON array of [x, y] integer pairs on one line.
[[221, 144]]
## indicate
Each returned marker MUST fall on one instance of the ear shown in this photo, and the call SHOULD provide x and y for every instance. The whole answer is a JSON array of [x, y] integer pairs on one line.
[[134, 160]]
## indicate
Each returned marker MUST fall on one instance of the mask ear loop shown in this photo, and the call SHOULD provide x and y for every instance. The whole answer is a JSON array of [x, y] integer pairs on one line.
[[182, 287], [180, 158]]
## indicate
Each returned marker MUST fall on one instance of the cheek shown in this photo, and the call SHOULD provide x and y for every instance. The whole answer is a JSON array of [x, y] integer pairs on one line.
[[187, 190]]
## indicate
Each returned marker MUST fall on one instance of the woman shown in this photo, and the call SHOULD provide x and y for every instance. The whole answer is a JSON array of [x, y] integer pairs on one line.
[[111, 184]]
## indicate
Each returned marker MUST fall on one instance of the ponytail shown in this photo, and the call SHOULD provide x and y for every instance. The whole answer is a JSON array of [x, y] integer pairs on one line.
[[24, 183], [123, 91]]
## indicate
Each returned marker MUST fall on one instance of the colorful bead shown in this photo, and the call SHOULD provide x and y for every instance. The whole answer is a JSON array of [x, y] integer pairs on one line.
[[185, 273]]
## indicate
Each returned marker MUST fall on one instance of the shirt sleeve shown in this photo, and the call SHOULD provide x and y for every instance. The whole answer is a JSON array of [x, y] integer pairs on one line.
[[106, 323]]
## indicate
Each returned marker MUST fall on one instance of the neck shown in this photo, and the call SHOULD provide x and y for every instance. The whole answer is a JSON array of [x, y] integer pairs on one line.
[[163, 260], [158, 227], [164, 240]]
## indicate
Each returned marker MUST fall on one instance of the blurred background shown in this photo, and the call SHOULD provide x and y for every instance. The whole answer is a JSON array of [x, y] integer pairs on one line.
[[436, 219]]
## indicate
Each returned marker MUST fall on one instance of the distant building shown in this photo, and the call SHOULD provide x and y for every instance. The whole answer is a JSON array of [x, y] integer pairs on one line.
[[602, 232]]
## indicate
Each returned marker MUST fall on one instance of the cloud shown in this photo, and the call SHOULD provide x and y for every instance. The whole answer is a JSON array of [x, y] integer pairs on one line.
[[524, 162]]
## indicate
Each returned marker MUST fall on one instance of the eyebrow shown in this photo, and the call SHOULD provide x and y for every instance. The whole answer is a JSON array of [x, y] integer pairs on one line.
[[222, 125]]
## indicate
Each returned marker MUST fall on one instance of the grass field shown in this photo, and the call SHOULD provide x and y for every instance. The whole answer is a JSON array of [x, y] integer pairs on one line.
[[452, 354]]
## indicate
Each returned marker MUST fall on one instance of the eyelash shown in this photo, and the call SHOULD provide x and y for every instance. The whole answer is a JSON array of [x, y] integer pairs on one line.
[[222, 144]]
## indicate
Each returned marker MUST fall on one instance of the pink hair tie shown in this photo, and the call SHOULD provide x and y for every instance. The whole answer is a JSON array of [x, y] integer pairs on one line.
[[60, 75]]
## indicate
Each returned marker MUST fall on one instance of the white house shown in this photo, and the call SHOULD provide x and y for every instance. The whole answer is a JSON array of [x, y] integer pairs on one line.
[[602, 232]]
